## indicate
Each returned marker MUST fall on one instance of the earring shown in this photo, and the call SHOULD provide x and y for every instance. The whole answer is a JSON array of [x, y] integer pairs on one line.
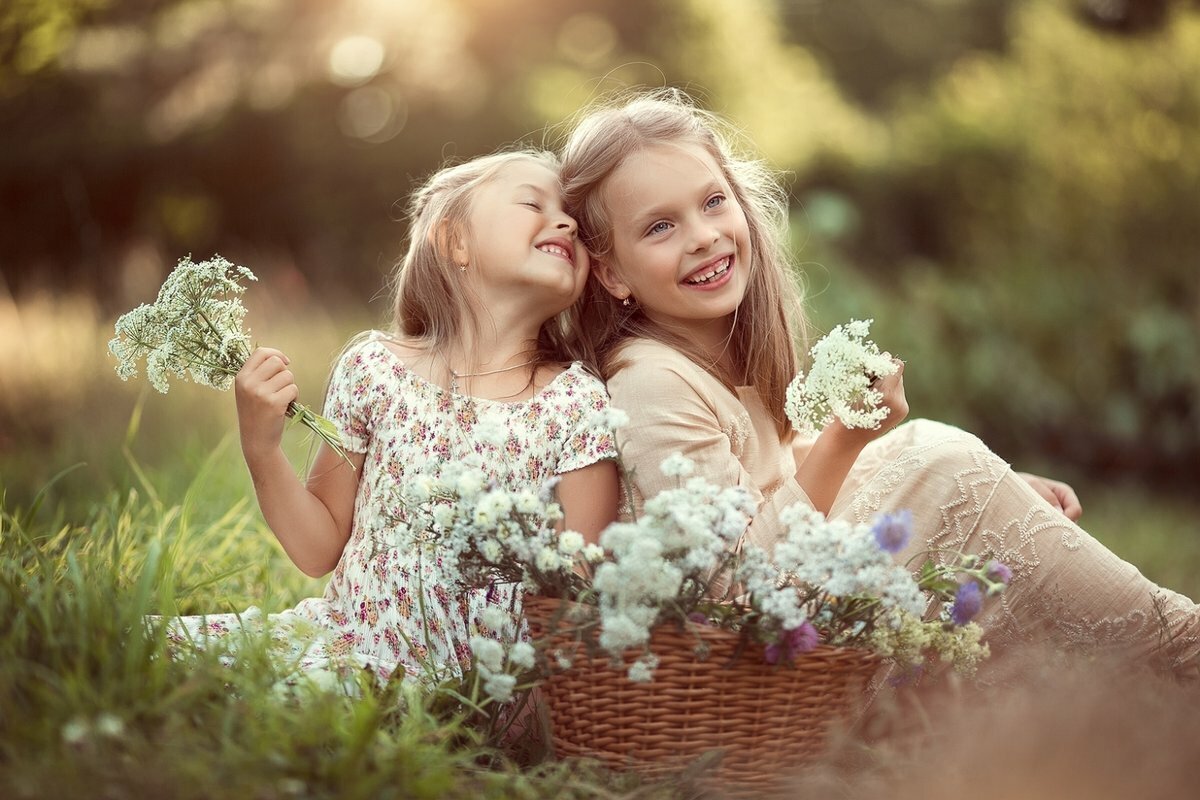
[[462, 267], [626, 302]]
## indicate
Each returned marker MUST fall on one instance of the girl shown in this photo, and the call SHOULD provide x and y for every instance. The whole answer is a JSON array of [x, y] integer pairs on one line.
[[694, 318], [481, 327]]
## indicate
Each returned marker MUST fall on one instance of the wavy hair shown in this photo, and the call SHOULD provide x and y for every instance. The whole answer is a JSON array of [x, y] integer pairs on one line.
[[430, 300], [769, 323]]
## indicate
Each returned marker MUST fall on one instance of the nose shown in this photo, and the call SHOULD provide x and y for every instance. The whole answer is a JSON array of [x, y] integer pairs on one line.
[[703, 237], [567, 224]]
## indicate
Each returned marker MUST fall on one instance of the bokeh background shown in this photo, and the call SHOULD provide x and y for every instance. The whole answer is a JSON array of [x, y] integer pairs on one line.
[[1010, 188]]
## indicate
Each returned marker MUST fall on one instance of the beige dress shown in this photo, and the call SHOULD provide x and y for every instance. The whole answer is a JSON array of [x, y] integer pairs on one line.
[[1067, 588]]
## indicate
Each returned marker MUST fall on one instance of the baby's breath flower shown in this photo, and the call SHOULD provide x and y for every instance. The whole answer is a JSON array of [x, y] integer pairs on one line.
[[610, 419], [499, 686], [522, 655], [488, 652], [570, 542], [642, 670], [494, 618], [677, 465]]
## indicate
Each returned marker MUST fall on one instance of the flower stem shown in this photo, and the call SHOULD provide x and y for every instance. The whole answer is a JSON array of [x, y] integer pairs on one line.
[[323, 428]]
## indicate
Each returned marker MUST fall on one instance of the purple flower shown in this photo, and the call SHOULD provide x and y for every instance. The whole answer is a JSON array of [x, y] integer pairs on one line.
[[792, 643], [698, 618], [999, 572], [967, 602], [802, 639], [892, 531]]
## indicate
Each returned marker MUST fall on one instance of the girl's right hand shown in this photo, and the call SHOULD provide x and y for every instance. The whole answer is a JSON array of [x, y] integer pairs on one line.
[[891, 388], [263, 388]]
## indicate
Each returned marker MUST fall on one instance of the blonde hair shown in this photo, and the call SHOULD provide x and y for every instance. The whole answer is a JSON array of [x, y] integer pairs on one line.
[[769, 319], [431, 302]]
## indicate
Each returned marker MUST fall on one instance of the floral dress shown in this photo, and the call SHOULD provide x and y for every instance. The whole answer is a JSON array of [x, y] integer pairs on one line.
[[388, 604]]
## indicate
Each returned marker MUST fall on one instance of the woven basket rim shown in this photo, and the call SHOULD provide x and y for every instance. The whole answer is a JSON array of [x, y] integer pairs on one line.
[[714, 636]]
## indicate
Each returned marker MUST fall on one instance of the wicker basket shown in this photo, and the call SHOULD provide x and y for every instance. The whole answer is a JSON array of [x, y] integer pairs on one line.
[[766, 719]]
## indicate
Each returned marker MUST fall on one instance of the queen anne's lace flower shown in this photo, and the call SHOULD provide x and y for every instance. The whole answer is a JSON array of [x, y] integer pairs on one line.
[[194, 331], [839, 383]]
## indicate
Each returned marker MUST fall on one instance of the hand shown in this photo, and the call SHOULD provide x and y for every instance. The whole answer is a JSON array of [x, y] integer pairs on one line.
[[263, 388], [1057, 494], [891, 389]]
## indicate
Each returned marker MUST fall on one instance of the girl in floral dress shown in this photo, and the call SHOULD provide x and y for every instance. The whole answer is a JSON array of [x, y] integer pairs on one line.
[[694, 318], [475, 373]]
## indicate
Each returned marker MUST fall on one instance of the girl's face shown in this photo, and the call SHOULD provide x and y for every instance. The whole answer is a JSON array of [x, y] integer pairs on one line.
[[521, 244], [681, 245]]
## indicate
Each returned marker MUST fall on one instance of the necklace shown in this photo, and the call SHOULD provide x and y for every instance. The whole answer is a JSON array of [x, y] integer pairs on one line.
[[454, 376]]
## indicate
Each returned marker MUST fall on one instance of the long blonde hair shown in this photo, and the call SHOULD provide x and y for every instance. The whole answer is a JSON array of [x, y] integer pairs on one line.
[[431, 301], [769, 320]]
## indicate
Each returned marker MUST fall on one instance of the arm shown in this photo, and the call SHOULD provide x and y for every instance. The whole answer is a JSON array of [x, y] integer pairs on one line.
[[675, 411], [312, 521], [589, 499]]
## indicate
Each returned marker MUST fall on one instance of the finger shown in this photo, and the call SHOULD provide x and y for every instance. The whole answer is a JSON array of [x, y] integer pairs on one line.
[[1068, 501], [263, 354], [280, 381]]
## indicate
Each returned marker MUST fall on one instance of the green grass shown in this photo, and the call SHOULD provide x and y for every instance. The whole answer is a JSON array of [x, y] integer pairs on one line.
[[92, 698], [154, 514]]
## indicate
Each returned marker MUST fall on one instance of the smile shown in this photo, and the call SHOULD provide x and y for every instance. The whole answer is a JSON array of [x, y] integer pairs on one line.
[[710, 273], [556, 248]]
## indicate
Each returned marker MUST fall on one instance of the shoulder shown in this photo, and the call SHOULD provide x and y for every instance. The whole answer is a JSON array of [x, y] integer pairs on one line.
[[647, 366], [381, 349], [577, 379]]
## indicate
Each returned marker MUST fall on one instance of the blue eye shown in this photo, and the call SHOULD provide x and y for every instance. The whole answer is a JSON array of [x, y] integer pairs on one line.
[[714, 201], [659, 227]]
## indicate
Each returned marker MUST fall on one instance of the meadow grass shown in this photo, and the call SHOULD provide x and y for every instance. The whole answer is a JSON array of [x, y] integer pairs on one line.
[[153, 513], [96, 702]]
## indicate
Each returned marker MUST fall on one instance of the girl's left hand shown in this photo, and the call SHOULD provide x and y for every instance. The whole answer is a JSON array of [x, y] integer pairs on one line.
[[1056, 493]]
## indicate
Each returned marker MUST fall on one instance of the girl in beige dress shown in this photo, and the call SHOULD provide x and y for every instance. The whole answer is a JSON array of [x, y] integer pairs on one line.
[[695, 320]]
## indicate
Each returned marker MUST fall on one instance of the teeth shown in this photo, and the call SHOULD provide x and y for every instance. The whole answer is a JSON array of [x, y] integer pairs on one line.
[[555, 249], [708, 276]]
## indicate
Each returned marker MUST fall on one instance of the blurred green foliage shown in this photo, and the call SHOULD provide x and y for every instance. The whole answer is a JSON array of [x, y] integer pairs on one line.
[[1031, 235], [1009, 186]]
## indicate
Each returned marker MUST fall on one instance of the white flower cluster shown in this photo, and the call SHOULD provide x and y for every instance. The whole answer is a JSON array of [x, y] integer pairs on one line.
[[675, 548], [193, 328], [844, 560], [838, 385], [484, 534]]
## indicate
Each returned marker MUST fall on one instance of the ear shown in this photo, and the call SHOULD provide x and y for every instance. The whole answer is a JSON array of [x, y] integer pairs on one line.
[[450, 242], [606, 273]]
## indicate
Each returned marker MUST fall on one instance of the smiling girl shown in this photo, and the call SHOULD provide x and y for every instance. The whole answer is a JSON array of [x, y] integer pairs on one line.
[[482, 343], [693, 316]]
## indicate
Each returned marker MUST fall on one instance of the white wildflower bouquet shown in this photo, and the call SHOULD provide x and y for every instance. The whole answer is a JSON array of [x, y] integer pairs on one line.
[[828, 582], [194, 331], [679, 564], [840, 382]]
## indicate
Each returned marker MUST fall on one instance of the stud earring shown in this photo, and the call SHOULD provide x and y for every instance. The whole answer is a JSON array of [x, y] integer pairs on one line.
[[462, 267], [626, 302]]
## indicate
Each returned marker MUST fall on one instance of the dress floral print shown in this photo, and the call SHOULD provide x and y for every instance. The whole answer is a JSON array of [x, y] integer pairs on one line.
[[388, 604]]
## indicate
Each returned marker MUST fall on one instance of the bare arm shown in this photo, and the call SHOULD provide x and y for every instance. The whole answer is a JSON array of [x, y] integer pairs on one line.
[[311, 520], [589, 498]]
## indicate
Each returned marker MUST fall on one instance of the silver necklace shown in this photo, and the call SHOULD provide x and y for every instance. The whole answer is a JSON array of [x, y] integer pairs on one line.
[[454, 376]]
